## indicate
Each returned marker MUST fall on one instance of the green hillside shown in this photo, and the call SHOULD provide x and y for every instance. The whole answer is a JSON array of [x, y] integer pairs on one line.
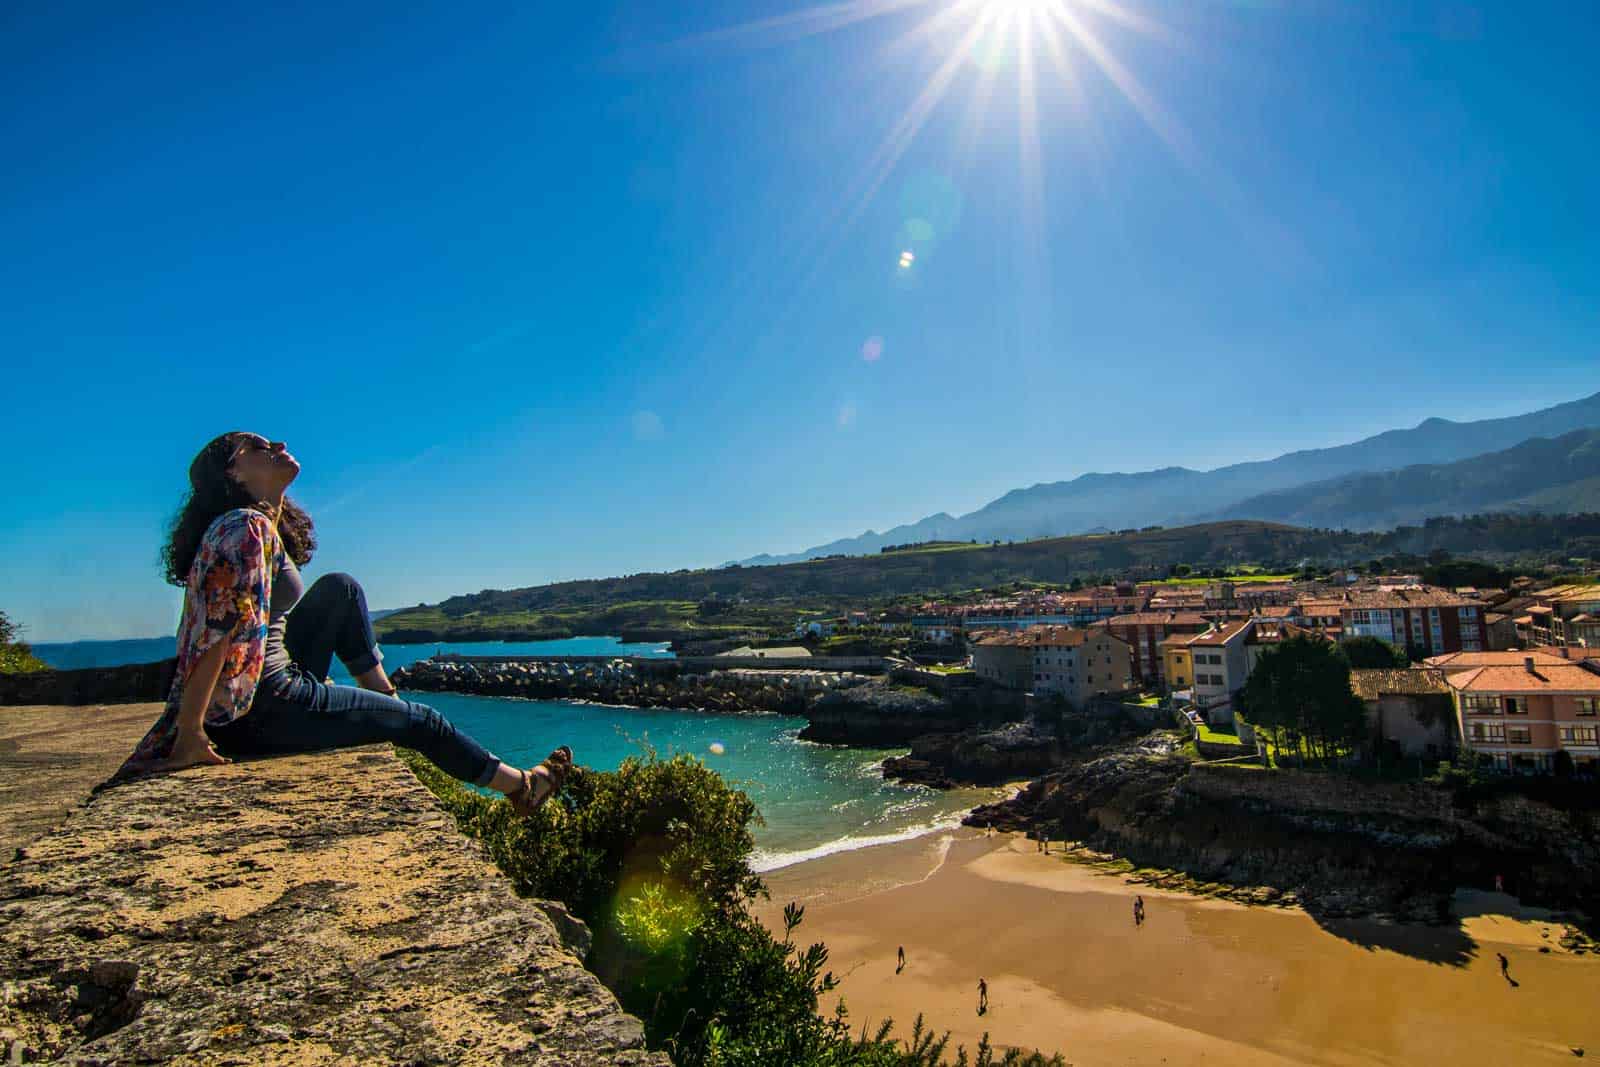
[[732, 599]]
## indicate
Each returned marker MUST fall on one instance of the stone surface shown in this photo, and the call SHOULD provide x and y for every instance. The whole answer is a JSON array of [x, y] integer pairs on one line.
[[50, 757], [310, 909]]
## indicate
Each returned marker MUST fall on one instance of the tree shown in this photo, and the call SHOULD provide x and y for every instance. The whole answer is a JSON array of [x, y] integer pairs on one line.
[[1459, 572], [15, 656], [1372, 653], [1300, 694]]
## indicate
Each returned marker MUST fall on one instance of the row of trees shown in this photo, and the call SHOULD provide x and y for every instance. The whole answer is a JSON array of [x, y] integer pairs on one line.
[[1299, 696]]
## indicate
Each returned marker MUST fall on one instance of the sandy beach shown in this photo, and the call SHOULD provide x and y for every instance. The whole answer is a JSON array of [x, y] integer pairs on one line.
[[1202, 981]]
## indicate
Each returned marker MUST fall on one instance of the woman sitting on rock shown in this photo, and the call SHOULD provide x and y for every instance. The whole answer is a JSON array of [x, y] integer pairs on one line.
[[249, 673]]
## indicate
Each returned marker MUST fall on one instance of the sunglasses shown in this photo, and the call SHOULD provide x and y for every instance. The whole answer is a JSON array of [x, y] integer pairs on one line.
[[252, 444]]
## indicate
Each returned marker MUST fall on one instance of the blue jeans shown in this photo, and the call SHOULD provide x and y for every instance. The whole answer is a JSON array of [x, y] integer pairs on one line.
[[294, 711]]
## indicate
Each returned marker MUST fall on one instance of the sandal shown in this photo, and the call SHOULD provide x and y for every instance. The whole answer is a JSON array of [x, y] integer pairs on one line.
[[527, 799]]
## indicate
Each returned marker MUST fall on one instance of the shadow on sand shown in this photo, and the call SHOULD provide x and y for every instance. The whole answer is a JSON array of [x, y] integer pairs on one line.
[[1442, 943]]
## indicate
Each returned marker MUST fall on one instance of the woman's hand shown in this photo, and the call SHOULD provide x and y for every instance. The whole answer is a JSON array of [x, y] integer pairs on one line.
[[192, 748]]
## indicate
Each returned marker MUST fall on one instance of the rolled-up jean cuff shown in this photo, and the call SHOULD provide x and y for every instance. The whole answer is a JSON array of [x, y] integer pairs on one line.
[[365, 662], [487, 774]]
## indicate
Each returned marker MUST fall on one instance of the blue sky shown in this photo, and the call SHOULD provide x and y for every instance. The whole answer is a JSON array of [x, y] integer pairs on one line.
[[542, 292]]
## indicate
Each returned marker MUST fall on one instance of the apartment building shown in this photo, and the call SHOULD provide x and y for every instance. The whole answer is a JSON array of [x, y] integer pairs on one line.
[[1523, 717], [1003, 658], [1144, 631], [1562, 615], [1420, 618], [1079, 664]]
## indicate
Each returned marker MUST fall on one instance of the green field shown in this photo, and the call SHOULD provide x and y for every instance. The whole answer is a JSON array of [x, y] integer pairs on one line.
[[1217, 737]]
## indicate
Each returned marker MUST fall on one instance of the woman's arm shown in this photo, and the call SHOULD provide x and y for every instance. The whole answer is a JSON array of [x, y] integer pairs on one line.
[[192, 746]]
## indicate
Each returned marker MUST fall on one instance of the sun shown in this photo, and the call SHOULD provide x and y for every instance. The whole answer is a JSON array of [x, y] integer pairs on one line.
[[1037, 39]]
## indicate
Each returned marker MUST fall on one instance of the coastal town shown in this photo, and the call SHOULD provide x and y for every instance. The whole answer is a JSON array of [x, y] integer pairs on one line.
[[1508, 678]]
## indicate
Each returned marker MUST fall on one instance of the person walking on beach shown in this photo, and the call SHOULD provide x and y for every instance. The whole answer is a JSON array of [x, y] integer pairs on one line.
[[901, 965], [1499, 883], [1138, 911], [1505, 969], [983, 997], [249, 677]]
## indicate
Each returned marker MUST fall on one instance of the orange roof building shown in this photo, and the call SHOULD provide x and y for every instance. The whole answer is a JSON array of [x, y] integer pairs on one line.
[[1522, 717]]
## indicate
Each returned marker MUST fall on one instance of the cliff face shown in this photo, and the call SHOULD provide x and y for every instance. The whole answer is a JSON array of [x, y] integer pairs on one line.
[[311, 909], [1338, 846]]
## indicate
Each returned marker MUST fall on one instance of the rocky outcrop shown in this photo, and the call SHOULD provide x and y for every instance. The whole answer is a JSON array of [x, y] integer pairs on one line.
[[878, 714], [1338, 846], [312, 909], [983, 756]]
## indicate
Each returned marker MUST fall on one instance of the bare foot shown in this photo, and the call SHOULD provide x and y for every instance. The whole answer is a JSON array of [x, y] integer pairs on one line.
[[192, 751]]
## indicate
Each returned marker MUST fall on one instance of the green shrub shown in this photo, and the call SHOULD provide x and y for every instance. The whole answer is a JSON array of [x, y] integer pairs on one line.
[[654, 856], [15, 656]]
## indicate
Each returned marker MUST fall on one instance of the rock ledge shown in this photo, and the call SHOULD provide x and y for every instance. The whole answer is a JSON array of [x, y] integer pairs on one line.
[[310, 909]]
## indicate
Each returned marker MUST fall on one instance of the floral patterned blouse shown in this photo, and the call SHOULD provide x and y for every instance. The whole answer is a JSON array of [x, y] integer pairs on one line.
[[228, 599]]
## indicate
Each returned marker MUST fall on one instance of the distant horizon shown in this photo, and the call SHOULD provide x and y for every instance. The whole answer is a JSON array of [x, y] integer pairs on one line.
[[596, 577], [603, 289]]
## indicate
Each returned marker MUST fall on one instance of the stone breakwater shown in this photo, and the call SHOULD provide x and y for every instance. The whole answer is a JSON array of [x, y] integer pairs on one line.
[[308, 910], [788, 692]]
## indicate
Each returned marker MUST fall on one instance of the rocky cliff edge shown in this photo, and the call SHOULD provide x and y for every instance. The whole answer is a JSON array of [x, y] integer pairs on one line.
[[311, 909]]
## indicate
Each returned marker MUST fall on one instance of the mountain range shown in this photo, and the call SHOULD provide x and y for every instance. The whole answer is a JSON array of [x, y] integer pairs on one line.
[[1423, 473]]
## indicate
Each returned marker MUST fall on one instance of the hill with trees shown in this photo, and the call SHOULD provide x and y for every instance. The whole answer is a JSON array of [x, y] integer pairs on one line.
[[734, 599]]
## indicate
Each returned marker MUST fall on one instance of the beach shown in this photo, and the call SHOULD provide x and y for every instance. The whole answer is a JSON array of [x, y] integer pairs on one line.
[[1201, 981]]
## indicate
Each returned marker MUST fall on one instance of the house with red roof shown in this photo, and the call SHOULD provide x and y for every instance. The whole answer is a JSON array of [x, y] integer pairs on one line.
[[1528, 716]]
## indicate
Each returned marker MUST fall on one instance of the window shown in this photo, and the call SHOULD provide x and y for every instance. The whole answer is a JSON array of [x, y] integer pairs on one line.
[[1488, 731], [1480, 705], [1519, 735], [1515, 706], [1588, 705], [1578, 735]]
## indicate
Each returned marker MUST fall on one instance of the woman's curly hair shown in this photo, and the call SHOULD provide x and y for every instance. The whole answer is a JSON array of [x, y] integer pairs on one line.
[[211, 492]]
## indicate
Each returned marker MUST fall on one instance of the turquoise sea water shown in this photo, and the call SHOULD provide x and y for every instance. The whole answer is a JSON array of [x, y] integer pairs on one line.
[[815, 798]]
